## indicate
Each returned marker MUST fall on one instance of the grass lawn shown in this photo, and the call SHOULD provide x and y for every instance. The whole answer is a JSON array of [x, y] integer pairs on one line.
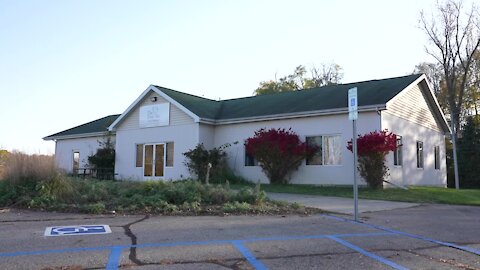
[[413, 194]]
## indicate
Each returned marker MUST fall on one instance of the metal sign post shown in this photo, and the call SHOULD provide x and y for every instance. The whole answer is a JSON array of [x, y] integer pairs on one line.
[[353, 115]]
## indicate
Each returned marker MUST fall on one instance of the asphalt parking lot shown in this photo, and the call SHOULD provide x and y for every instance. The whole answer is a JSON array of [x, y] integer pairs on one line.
[[422, 237]]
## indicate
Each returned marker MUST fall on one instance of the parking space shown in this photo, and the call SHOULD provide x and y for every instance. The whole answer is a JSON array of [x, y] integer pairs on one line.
[[238, 242]]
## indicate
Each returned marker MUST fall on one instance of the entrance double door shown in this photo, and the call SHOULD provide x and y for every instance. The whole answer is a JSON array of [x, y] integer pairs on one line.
[[154, 160]]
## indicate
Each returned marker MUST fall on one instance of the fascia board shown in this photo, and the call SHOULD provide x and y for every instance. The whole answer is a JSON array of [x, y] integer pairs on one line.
[[195, 117], [368, 108], [76, 136], [130, 108]]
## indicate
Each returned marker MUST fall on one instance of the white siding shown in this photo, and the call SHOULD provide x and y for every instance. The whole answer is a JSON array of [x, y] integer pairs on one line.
[[206, 135], [307, 126], [408, 173], [412, 106], [177, 116], [185, 137], [64, 151]]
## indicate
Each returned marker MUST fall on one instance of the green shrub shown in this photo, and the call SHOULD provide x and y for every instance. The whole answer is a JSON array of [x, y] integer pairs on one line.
[[60, 187], [8, 193], [216, 194], [152, 187], [94, 208], [198, 159], [184, 191], [225, 175], [297, 205], [194, 206], [251, 195], [237, 207]]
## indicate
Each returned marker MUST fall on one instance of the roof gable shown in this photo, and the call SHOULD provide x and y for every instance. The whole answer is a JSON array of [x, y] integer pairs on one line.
[[418, 103], [93, 128], [139, 100]]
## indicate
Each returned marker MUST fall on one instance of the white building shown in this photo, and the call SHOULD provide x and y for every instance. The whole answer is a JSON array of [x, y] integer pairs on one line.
[[161, 124]]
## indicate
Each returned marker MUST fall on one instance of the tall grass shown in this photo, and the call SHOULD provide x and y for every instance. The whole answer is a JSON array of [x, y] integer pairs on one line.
[[20, 167], [26, 175]]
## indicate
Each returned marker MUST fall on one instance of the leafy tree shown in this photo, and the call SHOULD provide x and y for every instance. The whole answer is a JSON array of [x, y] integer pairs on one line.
[[199, 158], [3, 161], [278, 151], [104, 159], [372, 148], [471, 103], [327, 75], [434, 73], [3, 156], [472, 95], [455, 36], [469, 153]]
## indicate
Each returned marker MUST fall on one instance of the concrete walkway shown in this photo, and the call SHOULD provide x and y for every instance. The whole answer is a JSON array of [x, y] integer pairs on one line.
[[339, 205]]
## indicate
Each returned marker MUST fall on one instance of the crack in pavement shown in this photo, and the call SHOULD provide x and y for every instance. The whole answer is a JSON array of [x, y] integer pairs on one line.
[[133, 250], [234, 264], [241, 263]]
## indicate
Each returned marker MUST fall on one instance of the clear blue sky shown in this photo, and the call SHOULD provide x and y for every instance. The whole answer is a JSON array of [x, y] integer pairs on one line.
[[64, 63]]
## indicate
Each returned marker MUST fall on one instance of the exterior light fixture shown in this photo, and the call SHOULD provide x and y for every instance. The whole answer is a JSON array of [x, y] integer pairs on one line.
[[153, 99]]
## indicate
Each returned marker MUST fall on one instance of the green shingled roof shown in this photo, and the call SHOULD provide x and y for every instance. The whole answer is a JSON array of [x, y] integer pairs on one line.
[[375, 92], [99, 125]]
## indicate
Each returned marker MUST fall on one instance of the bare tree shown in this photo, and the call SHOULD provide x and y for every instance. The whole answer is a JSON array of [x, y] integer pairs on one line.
[[455, 37], [329, 74]]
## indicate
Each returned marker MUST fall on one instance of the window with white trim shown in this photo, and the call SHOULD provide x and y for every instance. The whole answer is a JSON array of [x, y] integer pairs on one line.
[[436, 153], [329, 150], [139, 156], [419, 154], [169, 154], [397, 154], [76, 161]]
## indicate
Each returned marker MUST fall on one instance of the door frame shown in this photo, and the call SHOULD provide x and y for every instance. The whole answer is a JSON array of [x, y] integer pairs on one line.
[[154, 145]]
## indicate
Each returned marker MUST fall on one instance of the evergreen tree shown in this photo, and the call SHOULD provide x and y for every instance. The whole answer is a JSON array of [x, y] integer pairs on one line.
[[469, 153]]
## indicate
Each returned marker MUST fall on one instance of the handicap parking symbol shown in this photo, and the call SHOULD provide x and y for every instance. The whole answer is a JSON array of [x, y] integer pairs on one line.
[[77, 230]]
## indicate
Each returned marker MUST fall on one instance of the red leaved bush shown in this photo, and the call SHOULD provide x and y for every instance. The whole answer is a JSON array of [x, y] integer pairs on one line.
[[372, 149], [279, 152], [375, 142]]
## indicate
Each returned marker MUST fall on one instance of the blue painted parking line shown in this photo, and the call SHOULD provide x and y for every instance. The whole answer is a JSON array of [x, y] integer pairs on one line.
[[305, 237], [248, 255], [114, 259], [447, 244], [115, 251], [367, 253]]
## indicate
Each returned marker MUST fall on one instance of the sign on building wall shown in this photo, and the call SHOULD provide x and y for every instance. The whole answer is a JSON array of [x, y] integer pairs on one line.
[[155, 115]]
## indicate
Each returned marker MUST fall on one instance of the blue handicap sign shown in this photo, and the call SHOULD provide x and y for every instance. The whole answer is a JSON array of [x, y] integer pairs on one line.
[[352, 102], [77, 230]]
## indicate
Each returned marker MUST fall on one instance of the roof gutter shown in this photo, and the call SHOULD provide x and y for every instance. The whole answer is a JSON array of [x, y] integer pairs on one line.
[[369, 108], [77, 136]]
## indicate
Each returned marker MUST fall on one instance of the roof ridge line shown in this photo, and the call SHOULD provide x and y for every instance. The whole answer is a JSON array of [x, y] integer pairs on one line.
[[188, 94]]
